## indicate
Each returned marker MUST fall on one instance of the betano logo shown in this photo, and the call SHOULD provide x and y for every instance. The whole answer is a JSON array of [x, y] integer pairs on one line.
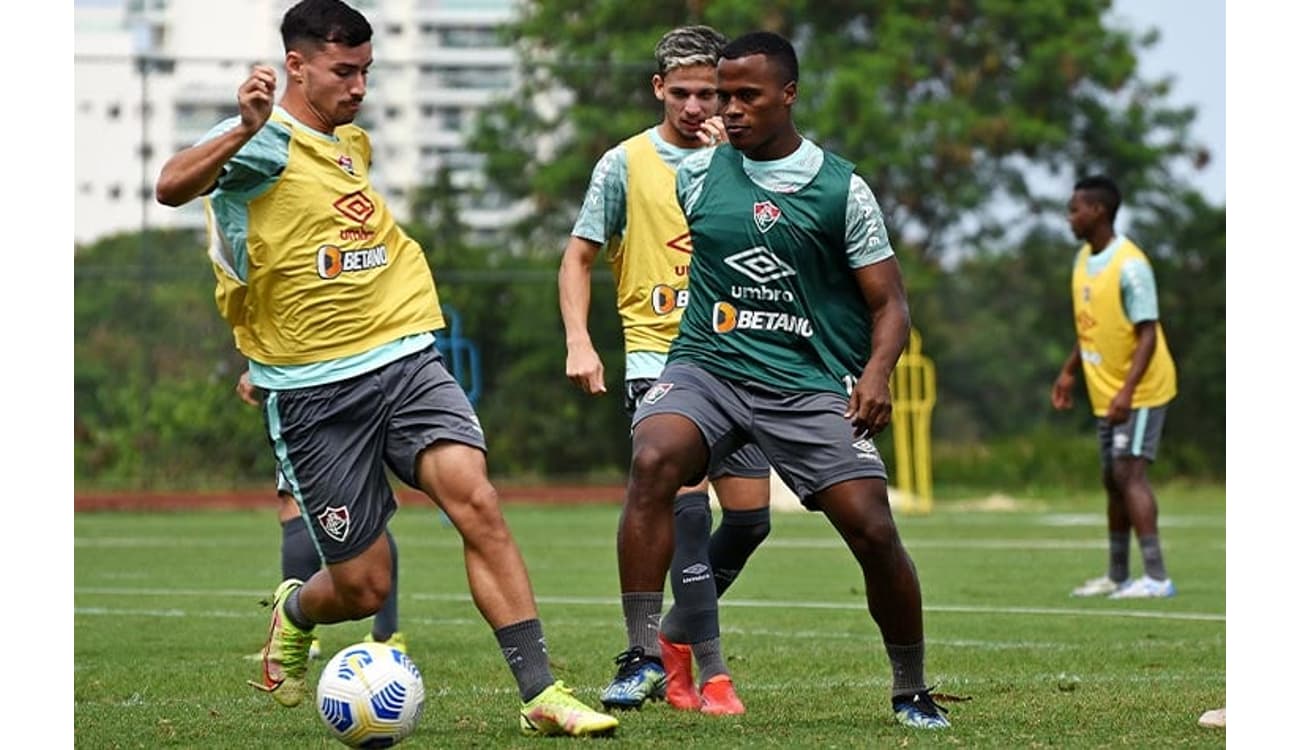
[[332, 261], [665, 299], [727, 318]]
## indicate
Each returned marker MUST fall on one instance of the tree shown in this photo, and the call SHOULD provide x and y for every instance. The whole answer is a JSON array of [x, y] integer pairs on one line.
[[950, 107]]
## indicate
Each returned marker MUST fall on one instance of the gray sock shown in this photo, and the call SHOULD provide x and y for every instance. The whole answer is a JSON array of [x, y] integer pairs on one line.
[[641, 617], [293, 611], [1119, 545], [909, 667], [298, 556], [524, 649], [708, 655], [385, 623], [1152, 560]]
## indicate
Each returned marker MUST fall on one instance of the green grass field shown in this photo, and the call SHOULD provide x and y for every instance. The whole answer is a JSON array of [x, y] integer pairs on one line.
[[166, 609]]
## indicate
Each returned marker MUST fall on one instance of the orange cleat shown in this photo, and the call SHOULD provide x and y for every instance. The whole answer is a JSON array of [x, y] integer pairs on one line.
[[718, 697], [680, 691]]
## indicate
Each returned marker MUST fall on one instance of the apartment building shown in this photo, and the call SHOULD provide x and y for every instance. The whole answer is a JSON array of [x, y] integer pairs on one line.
[[151, 76]]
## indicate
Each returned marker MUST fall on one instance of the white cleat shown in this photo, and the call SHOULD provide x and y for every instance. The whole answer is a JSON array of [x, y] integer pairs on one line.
[[1097, 587], [1145, 588]]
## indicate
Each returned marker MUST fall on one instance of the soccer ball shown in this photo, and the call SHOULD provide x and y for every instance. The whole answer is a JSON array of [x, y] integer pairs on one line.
[[370, 695]]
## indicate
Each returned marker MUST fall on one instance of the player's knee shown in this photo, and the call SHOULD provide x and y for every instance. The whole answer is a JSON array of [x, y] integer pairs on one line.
[[749, 527], [366, 594], [477, 515]]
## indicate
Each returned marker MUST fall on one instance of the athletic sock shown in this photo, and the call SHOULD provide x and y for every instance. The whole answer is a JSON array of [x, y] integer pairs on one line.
[[298, 556], [524, 649], [1119, 545], [695, 598], [1152, 560], [293, 611], [737, 536], [641, 617], [708, 655], [908, 664], [385, 622]]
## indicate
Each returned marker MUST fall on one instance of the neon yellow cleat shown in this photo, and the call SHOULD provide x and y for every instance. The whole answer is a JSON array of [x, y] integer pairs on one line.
[[555, 711], [396, 640], [284, 657]]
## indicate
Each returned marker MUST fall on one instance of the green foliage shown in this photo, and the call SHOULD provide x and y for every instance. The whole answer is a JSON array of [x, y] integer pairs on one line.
[[947, 107], [955, 111]]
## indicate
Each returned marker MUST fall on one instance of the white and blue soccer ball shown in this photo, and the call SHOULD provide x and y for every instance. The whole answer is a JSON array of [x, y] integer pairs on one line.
[[370, 695]]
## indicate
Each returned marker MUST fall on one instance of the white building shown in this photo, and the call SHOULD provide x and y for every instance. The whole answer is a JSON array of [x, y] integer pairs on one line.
[[437, 62]]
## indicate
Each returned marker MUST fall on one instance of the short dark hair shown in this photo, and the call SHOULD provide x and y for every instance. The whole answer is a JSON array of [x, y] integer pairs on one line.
[[774, 46], [319, 22], [1103, 190]]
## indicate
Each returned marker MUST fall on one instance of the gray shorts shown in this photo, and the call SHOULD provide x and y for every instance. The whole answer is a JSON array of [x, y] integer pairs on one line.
[[804, 435], [748, 461], [332, 443], [1139, 436]]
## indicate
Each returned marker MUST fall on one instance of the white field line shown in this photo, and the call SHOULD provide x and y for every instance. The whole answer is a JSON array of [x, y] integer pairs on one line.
[[943, 683], [794, 543], [726, 603]]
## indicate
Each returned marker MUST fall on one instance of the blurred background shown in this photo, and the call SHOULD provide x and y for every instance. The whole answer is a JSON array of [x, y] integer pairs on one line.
[[970, 120]]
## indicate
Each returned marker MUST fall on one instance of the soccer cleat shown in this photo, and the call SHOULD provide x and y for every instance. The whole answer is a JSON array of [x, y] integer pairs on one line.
[[284, 657], [718, 697], [396, 640], [1145, 588], [1215, 719], [555, 711], [920, 711], [1097, 587], [639, 678], [312, 653], [679, 686]]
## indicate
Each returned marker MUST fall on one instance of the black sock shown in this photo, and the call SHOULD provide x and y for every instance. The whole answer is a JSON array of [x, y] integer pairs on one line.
[[385, 623], [298, 555], [1119, 545], [695, 598], [737, 536], [524, 649]]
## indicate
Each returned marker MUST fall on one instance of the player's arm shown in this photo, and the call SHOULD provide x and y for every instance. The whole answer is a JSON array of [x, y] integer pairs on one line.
[[1138, 295], [582, 365], [870, 405], [1063, 387], [194, 171], [246, 390]]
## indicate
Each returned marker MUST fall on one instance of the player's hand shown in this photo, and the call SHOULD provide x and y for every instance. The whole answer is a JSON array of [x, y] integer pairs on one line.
[[1062, 391], [247, 391], [585, 370], [257, 97], [1121, 407], [712, 131], [870, 406]]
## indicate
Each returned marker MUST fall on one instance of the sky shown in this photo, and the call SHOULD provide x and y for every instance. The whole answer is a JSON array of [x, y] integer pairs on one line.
[[1193, 49]]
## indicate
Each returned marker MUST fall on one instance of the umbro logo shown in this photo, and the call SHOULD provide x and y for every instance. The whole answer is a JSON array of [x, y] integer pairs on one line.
[[760, 264]]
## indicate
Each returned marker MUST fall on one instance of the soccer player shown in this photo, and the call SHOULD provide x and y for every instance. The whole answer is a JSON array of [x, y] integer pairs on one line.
[[1130, 377], [798, 315], [631, 210], [335, 307], [299, 557]]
